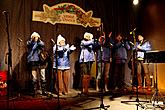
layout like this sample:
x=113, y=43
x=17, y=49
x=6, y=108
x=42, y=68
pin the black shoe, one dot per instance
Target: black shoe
x=44, y=93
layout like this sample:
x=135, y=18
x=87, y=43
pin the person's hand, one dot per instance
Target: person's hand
x=139, y=47
x=66, y=47
x=72, y=47
x=102, y=40
x=110, y=34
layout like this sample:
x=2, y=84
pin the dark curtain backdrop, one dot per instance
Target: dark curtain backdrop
x=21, y=26
x=116, y=15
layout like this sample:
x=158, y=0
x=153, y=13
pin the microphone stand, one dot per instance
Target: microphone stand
x=102, y=106
x=102, y=82
x=134, y=72
x=58, y=96
x=9, y=62
x=19, y=50
x=19, y=65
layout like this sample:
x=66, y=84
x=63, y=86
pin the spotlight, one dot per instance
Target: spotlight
x=135, y=2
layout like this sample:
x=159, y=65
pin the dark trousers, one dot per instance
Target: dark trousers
x=142, y=73
x=118, y=74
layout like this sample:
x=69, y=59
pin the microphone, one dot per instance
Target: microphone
x=52, y=41
x=131, y=43
x=4, y=12
x=133, y=31
x=19, y=39
x=111, y=44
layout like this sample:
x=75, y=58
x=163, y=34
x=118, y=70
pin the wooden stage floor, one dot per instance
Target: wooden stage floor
x=112, y=100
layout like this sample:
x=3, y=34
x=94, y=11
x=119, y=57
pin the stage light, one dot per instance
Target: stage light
x=135, y=2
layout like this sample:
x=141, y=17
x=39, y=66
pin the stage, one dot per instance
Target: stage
x=71, y=19
x=76, y=101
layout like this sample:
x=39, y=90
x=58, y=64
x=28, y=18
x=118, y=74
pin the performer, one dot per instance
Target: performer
x=35, y=46
x=103, y=57
x=141, y=47
x=119, y=58
x=86, y=59
x=63, y=64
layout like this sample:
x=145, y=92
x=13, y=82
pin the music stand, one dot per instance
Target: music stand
x=156, y=57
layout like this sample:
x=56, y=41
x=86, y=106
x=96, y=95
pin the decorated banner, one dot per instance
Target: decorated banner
x=66, y=13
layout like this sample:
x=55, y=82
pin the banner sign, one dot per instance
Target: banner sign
x=66, y=13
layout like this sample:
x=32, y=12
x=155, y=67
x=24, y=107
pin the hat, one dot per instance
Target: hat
x=35, y=34
x=59, y=39
x=88, y=36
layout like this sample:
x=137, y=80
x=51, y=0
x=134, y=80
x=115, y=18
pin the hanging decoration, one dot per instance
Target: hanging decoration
x=66, y=13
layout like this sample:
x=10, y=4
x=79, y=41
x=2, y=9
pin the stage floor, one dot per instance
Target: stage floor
x=112, y=100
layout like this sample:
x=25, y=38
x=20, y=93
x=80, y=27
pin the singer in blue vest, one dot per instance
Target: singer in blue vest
x=61, y=62
x=103, y=47
x=119, y=58
x=141, y=47
x=86, y=60
x=35, y=46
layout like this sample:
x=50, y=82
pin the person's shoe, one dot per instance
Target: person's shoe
x=116, y=88
x=139, y=87
x=106, y=90
x=134, y=88
x=60, y=94
x=149, y=89
x=44, y=93
x=64, y=93
x=97, y=89
x=39, y=92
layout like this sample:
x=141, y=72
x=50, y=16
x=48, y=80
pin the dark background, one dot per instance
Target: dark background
x=117, y=16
